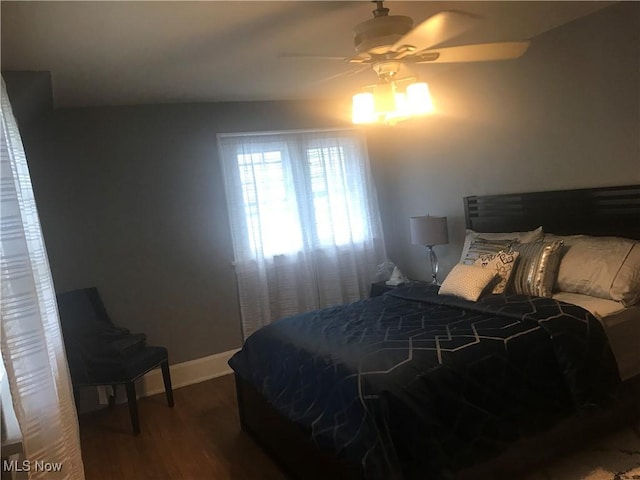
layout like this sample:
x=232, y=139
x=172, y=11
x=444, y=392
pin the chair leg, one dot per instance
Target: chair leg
x=112, y=398
x=133, y=407
x=166, y=376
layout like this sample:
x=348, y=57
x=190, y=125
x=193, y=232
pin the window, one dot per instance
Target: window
x=293, y=191
x=339, y=212
x=269, y=207
x=304, y=221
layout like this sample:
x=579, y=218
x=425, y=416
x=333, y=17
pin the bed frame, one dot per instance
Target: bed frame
x=600, y=211
x=593, y=211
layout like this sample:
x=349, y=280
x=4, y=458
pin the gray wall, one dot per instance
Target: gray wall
x=132, y=201
x=565, y=115
x=131, y=198
x=31, y=97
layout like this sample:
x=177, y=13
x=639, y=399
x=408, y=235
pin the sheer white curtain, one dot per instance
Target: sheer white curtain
x=32, y=347
x=304, y=220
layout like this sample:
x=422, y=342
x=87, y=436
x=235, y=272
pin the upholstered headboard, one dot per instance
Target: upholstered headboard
x=590, y=211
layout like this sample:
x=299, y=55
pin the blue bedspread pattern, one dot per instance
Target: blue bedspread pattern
x=413, y=384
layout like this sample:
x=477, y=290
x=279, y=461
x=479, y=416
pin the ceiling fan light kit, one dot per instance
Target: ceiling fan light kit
x=387, y=104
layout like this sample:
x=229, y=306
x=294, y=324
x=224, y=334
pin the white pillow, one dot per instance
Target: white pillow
x=626, y=286
x=467, y=281
x=520, y=237
x=604, y=267
x=501, y=264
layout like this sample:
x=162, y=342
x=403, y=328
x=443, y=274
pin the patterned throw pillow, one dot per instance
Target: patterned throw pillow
x=537, y=267
x=502, y=263
x=467, y=281
x=483, y=246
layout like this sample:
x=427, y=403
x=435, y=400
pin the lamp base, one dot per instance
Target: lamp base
x=434, y=265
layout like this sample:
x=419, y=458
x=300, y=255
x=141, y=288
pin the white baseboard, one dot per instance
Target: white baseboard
x=186, y=373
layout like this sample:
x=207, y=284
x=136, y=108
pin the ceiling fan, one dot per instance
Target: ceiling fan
x=390, y=43
x=386, y=41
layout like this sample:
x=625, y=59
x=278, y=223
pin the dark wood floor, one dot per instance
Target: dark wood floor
x=200, y=438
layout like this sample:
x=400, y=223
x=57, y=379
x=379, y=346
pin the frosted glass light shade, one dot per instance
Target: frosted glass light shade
x=363, y=108
x=384, y=97
x=428, y=230
x=419, y=98
x=385, y=104
x=403, y=109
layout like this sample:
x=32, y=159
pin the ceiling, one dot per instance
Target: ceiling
x=119, y=52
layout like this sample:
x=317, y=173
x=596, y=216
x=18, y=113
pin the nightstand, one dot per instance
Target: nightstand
x=378, y=288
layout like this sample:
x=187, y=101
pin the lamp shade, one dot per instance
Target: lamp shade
x=428, y=230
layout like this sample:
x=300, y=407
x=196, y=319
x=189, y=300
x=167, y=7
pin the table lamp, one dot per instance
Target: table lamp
x=430, y=231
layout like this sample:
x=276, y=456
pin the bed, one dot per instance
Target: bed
x=420, y=384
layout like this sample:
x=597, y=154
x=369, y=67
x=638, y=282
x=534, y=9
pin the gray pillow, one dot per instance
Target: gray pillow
x=521, y=237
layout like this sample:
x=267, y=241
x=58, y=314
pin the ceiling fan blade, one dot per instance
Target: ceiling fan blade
x=434, y=30
x=483, y=52
x=345, y=74
x=304, y=56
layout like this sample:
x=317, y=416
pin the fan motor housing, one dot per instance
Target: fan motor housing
x=377, y=36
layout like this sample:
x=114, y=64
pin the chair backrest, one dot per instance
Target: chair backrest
x=94, y=345
x=82, y=312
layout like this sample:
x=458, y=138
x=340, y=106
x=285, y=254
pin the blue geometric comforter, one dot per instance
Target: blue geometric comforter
x=415, y=385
